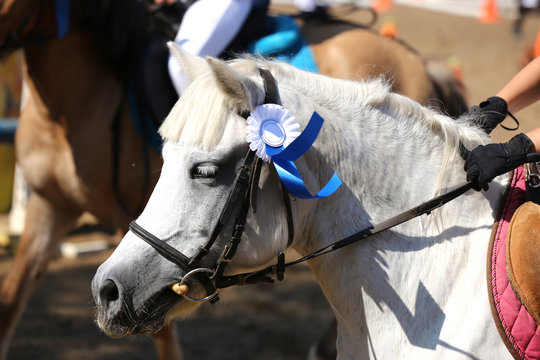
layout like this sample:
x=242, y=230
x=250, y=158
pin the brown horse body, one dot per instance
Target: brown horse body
x=65, y=146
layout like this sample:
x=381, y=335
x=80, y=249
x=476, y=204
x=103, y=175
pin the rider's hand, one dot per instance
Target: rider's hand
x=486, y=162
x=489, y=113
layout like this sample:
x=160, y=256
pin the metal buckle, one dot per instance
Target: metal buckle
x=532, y=175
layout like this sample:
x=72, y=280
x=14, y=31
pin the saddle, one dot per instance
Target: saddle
x=523, y=245
x=523, y=256
x=514, y=271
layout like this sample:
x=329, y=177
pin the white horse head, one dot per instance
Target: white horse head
x=417, y=290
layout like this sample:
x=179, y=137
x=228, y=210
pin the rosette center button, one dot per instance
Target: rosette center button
x=272, y=133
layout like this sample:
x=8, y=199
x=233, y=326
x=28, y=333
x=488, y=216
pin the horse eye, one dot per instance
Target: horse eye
x=204, y=171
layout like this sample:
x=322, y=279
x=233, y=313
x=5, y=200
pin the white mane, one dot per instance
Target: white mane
x=345, y=96
x=200, y=116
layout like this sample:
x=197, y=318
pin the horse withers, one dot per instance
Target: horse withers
x=417, y=290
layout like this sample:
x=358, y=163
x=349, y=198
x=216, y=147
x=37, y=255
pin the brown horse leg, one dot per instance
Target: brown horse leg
x=166, y=344
x=45, y=226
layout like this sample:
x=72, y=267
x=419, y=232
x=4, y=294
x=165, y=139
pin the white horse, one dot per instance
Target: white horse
x=417, y=291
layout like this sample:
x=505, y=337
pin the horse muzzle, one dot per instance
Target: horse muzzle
x=114, y=314
x=119, y=311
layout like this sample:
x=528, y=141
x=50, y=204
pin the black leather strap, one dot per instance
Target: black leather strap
x=235, y=199
x=424, y=208
x=163, y=249
x=278, y=269
x=271, y=95
x=174, y=256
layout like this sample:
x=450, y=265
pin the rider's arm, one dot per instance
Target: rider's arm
x=487, y=161
x=522, y=91
x=524, y=88
x=534, y=135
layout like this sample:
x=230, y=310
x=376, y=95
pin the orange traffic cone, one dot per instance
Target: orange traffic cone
x=388, y=29
x=536, y=51
x=489, y=13
x=382, y=5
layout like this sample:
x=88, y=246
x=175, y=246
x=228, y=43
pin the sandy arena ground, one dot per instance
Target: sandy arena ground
x=260, y=322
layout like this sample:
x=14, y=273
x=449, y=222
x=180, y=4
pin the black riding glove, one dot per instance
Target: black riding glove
x=486, y=162
x=489, y=113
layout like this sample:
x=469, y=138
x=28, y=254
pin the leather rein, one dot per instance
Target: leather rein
x=243, y=196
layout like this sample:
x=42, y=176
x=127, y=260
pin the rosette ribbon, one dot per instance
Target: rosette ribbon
x=283, y=155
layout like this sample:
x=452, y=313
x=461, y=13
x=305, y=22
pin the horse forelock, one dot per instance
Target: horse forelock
x=200, y=115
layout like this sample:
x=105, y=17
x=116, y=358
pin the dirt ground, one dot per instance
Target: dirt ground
x=261, y=322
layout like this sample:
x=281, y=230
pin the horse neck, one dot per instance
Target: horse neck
x=71, y=83
x=376, y=282
x=387, y=166
x=77, y=98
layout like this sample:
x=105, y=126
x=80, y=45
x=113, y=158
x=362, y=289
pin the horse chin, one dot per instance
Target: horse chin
x=114, y=331
x=119, y=331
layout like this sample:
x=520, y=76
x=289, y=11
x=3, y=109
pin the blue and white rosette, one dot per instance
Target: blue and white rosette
x=273, y=133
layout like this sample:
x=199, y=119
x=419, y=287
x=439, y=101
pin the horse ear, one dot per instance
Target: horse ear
x=192, y=65
x=239, y=88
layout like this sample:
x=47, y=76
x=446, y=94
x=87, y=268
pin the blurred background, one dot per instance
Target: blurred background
x=483, y=42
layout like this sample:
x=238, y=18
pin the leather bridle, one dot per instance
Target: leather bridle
x=243, y=195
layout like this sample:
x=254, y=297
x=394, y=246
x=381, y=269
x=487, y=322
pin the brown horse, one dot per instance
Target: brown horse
x=70, y=148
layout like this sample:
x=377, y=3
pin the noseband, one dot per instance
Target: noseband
x=242, y=196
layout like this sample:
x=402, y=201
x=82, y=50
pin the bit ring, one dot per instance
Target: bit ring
x=182, y=283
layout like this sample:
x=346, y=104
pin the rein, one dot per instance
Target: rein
x=278, y=269
x=242, y=196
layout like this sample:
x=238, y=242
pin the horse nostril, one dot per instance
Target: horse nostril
x=108, y=292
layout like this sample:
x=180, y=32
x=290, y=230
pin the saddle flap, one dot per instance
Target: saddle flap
x=523, y=256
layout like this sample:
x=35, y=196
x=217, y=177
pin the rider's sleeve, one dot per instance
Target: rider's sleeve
x=207, y=28
x=306, y=5
x=210, y=25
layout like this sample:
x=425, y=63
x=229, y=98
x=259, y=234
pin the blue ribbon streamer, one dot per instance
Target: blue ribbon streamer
x=62, y=17
x=283, y=159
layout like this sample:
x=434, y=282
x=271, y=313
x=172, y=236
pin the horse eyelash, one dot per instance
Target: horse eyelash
x=204, y=171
